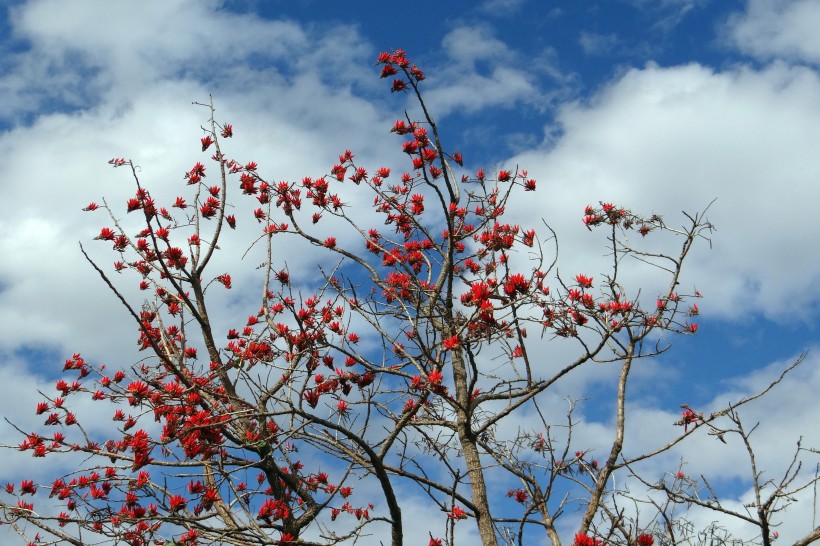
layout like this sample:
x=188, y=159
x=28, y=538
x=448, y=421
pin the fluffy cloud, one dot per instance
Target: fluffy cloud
x=778, y=29
x=287, y=106
x=670, y=139
x=481, y=71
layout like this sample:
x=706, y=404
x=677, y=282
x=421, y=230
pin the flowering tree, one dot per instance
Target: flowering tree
x=415, y=360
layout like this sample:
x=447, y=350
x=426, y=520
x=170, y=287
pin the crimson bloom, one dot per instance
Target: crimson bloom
x=584, y=281
x=457, y=513
x=176, y=503
x=582, y=539
x=450, y=343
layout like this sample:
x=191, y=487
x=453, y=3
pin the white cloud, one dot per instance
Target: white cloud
x=594, y=43
x=146, y=81
x=482, y=71
x=669, y=13
x=501, y=7
x=785, y=29
x=668, y=139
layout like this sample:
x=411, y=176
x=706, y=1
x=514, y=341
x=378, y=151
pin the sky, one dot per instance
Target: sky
x=660, y=105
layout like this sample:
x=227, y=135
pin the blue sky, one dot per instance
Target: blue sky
x=662, y=105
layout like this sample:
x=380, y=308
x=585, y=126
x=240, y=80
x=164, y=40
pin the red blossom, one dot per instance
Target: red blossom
x=343, y=408
x=176, y=503
x=312, y=397
x=582, y=539
x=584, y=281
x=450, y=343
x=645, y=540
x=225, y=279
x=519, y=495
x=435, y=378
x=286, y=538
x=106, y=234
x=688, y=417
x=457, y=513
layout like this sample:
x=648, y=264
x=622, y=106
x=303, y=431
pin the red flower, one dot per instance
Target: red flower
x=518, y=494
x=343, y=408
x=206, y=142
x=137, y=391
x=645, y=540
x=176, y=503
x=106, y=234
x=584, y=281
x=457, y=513
x=517, y=283
x=225, y=280
x=582, y=539
x=400, y=127
x=312, y=398
x=450, y=343
x=410, y=147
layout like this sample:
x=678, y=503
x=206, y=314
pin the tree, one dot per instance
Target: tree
x=413, y=358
